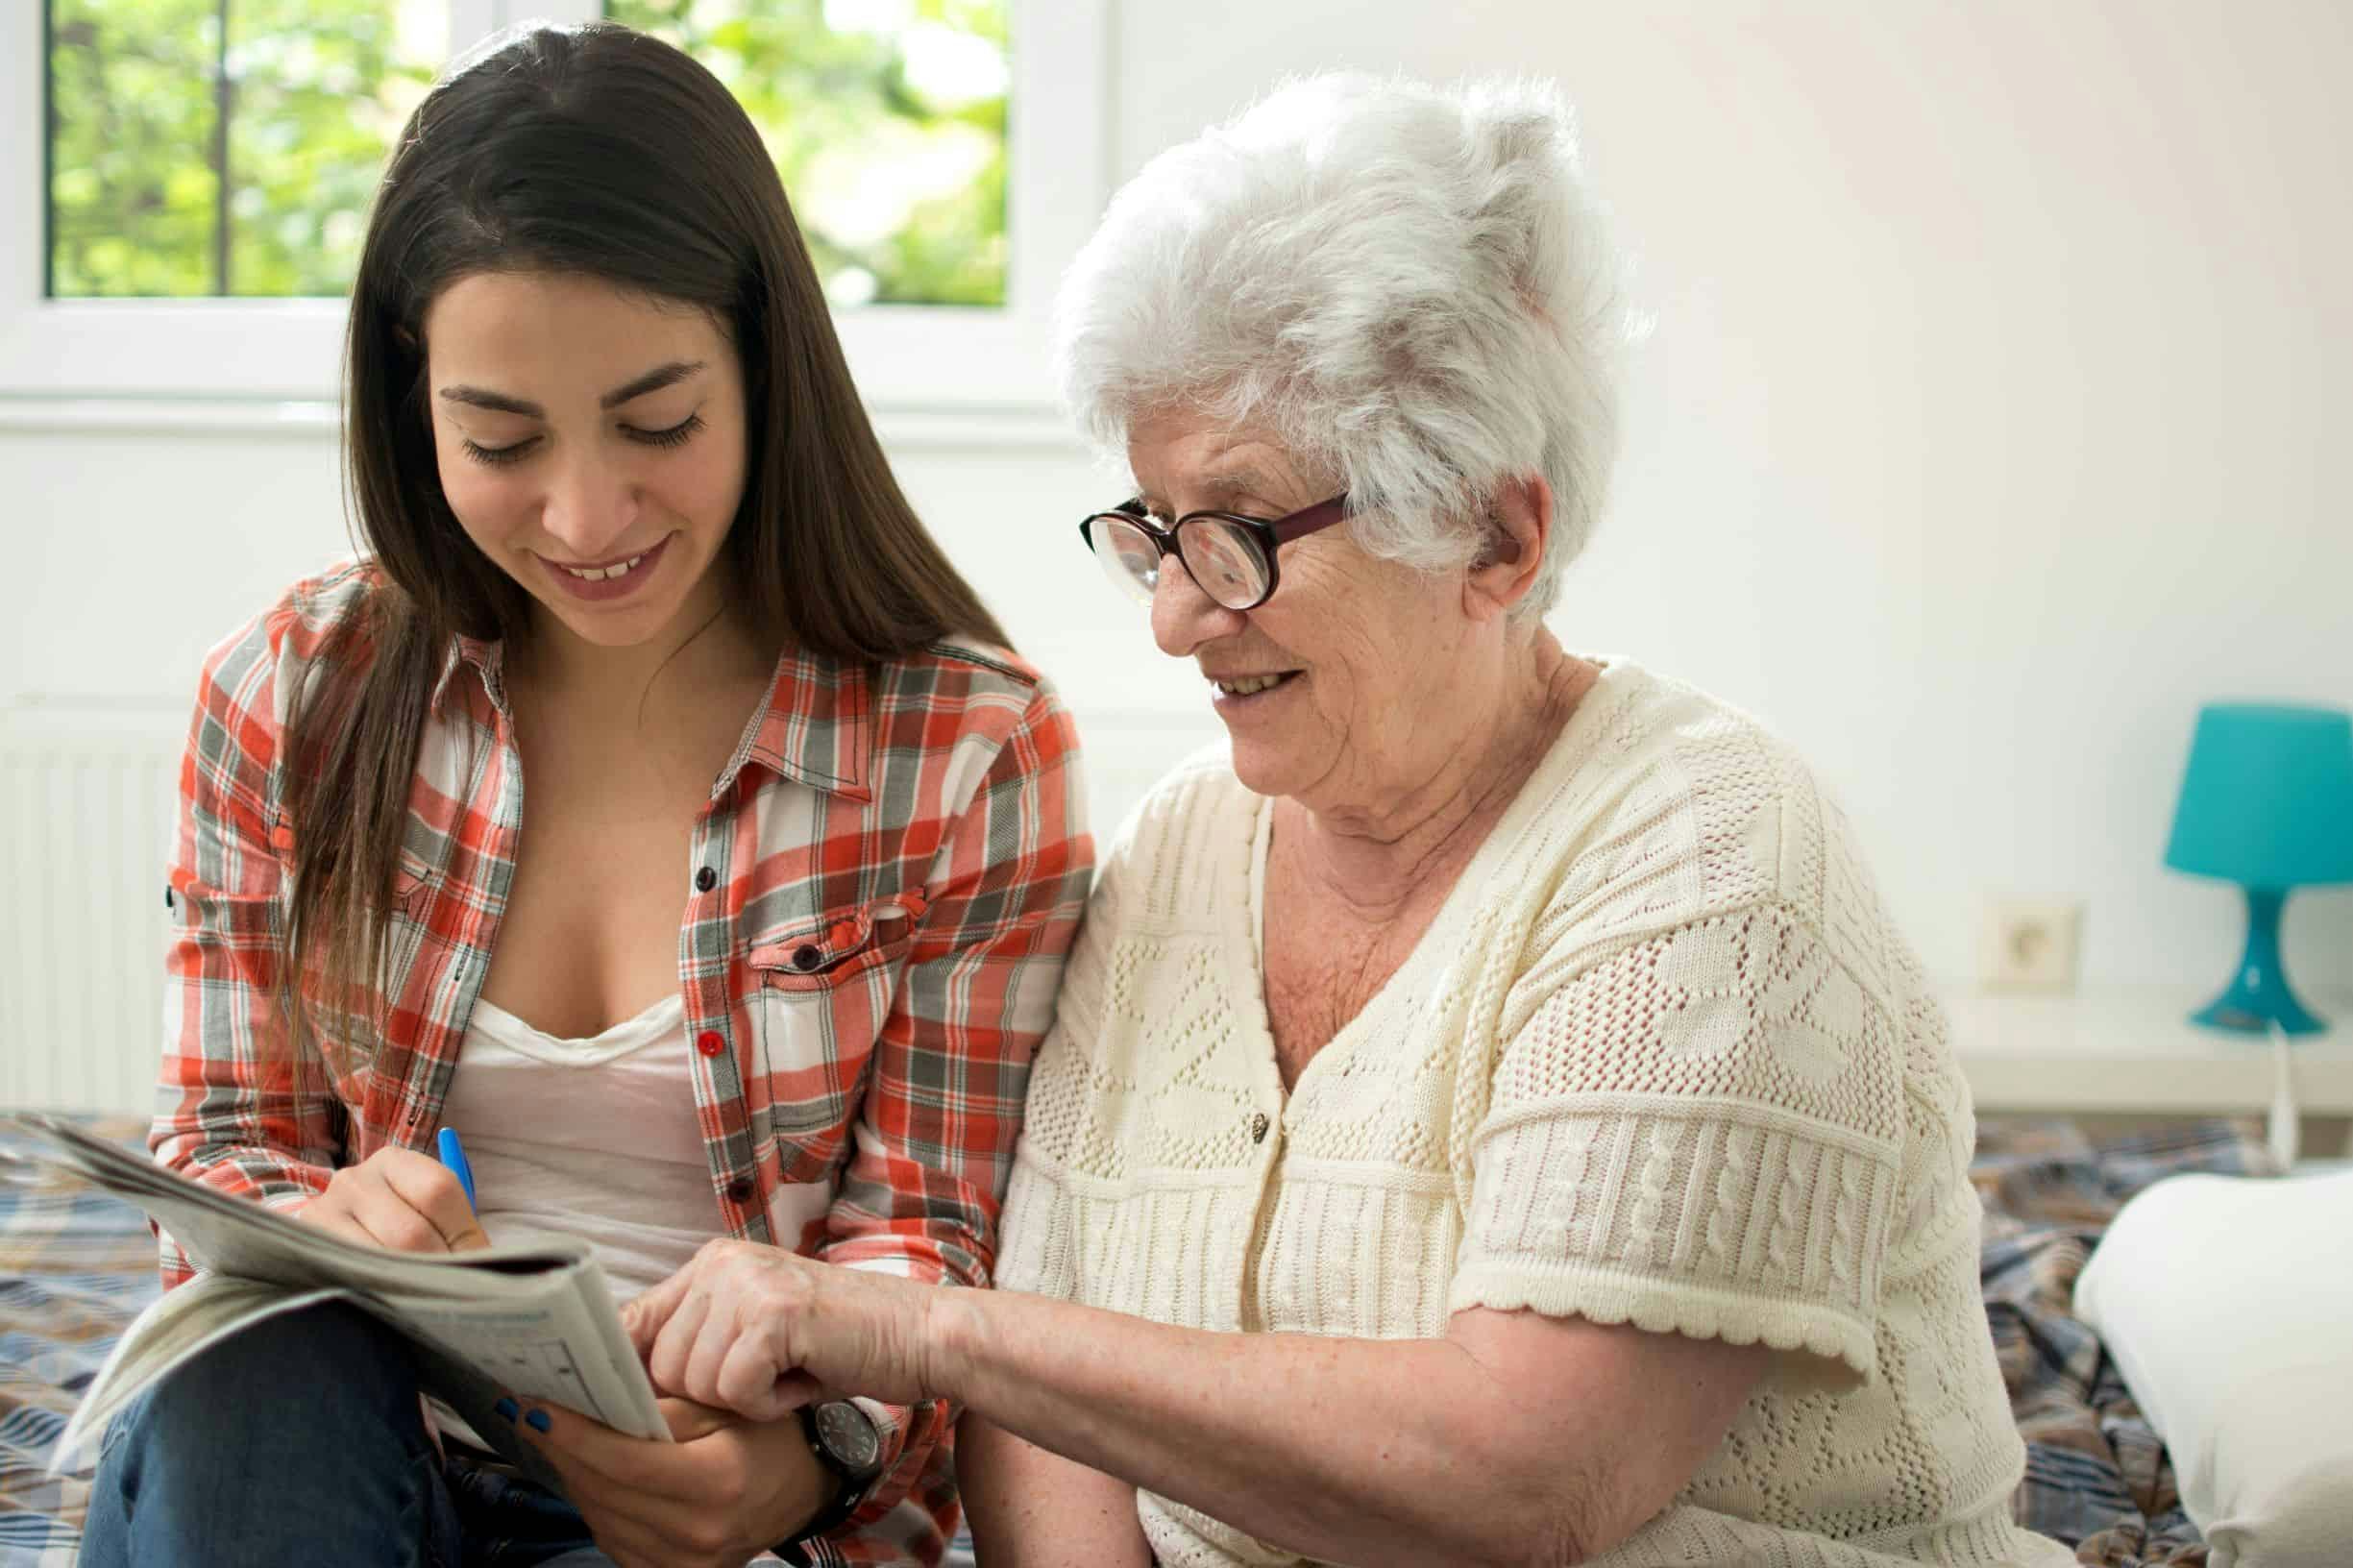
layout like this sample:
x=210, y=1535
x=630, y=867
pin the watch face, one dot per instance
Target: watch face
x=848, y=1436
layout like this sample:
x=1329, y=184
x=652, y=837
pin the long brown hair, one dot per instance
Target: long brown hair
x=599, y=152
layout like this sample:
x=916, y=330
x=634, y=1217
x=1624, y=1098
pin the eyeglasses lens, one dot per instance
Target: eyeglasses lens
x=1225, y=561
x=1127, y=555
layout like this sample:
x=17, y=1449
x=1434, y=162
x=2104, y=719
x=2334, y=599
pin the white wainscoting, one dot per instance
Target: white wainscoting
x=87, y=788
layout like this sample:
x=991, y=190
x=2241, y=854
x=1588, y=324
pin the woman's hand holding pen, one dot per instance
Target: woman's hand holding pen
x=397, y=1198
x=761, y=1331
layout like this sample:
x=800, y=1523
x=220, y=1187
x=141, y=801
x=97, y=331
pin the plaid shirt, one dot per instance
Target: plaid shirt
x=885, y=881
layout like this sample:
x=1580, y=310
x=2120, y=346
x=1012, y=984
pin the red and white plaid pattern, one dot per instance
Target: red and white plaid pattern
x=884, y=884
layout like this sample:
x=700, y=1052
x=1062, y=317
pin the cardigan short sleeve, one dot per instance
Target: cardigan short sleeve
x=1697, y=1133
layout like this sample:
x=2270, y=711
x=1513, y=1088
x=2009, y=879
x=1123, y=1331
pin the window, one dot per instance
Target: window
x=201, y=192
x=199, y=148
x=887, y=121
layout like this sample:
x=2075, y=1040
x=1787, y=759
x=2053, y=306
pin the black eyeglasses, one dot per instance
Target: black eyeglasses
x=1231, y=556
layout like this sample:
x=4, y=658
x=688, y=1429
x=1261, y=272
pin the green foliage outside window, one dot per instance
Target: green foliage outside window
x=146, y=193
x=231, y=147
x=885, y=119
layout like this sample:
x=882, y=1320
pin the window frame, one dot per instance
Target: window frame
x=911, y=358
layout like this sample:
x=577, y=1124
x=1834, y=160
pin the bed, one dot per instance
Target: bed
x=75, y=1268
x=2097, y=1476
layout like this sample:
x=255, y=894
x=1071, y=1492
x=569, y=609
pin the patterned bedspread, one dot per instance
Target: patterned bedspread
x=75, y=1268
x=2097, y=1476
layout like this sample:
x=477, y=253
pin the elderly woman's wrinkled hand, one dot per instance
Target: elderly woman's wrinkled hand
x=760, y=1331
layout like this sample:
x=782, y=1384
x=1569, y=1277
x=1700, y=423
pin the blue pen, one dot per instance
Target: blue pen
x=454, y=1156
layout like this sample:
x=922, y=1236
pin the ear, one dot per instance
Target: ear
x=1520, y=520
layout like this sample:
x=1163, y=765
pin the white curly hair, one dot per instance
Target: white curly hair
x=1412, y=287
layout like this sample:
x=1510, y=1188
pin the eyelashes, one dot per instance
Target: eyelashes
x=498, y=457
x=677, y=435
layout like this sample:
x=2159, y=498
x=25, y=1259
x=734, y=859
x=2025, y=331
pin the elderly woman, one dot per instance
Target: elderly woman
x=1491, y=1117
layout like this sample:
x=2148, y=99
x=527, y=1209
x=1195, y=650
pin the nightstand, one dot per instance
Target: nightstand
x=2132, y=1052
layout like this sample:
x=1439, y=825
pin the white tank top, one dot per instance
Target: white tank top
x=596, y=1139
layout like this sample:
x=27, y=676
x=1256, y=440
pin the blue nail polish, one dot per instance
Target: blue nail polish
x=537, y=1421
x=508, y=1409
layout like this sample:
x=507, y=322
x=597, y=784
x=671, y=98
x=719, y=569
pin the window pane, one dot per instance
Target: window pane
x=887, y=122
x=133, y=194
x=151, y=191
x=322, y=91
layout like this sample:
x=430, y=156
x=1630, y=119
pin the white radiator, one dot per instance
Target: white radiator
x=86, y=797
x=87, y=791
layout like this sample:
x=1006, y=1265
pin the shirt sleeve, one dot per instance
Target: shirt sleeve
x=1700, y=1134
x=237, y=1107
x=921, y=1193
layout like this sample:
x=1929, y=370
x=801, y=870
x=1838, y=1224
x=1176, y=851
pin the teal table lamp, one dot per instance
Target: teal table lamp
x=2268, y=803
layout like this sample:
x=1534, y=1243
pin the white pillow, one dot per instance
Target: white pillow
x=2227, y=1302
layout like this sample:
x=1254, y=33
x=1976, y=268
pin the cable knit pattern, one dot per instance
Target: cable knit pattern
x=1661, y=1059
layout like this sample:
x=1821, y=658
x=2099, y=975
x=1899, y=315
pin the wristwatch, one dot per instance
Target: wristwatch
x=847, y=1445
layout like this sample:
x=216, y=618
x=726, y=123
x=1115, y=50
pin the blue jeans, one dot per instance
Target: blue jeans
x=299, y=1442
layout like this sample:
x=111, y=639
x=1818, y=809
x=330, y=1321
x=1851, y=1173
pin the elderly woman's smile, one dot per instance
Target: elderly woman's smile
x=1234, y=691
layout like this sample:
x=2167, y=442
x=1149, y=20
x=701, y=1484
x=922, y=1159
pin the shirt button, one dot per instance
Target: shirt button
x=740, y=1188
x=169, y=902
x=807, y=956
x=1258, y=1128
x=710, y=1043
x=705, y=880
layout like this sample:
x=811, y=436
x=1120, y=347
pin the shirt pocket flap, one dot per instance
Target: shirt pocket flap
x=819, y=952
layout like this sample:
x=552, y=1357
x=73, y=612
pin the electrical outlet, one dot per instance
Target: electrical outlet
x=2031, y=944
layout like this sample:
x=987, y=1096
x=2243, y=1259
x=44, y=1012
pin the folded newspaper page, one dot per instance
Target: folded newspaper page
x=535, y=1322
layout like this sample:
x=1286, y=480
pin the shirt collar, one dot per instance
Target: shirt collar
x=487, y=658
x=816, y=726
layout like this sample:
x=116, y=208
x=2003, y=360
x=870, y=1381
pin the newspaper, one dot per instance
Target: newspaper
x=536, y=1322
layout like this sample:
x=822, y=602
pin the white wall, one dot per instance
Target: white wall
x=1980, y=439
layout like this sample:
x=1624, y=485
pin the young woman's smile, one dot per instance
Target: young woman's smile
x=602, y=582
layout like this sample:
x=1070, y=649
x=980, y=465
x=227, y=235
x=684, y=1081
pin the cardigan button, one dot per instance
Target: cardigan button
x=1258, y=1128
x=710, y=1043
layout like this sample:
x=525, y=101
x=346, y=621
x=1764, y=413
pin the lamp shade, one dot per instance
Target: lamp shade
x=2267, y=800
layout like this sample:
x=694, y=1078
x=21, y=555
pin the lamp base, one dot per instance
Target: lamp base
x=2258, y=998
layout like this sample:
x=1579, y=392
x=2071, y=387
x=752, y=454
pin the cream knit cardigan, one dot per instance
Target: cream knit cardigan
x=1660, y=1058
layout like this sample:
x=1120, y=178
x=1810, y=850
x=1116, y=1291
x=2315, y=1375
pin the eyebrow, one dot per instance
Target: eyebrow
x=653, y=380
x=1221, y=489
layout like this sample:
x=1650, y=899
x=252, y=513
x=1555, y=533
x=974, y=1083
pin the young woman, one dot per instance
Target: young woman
x=652, y=802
